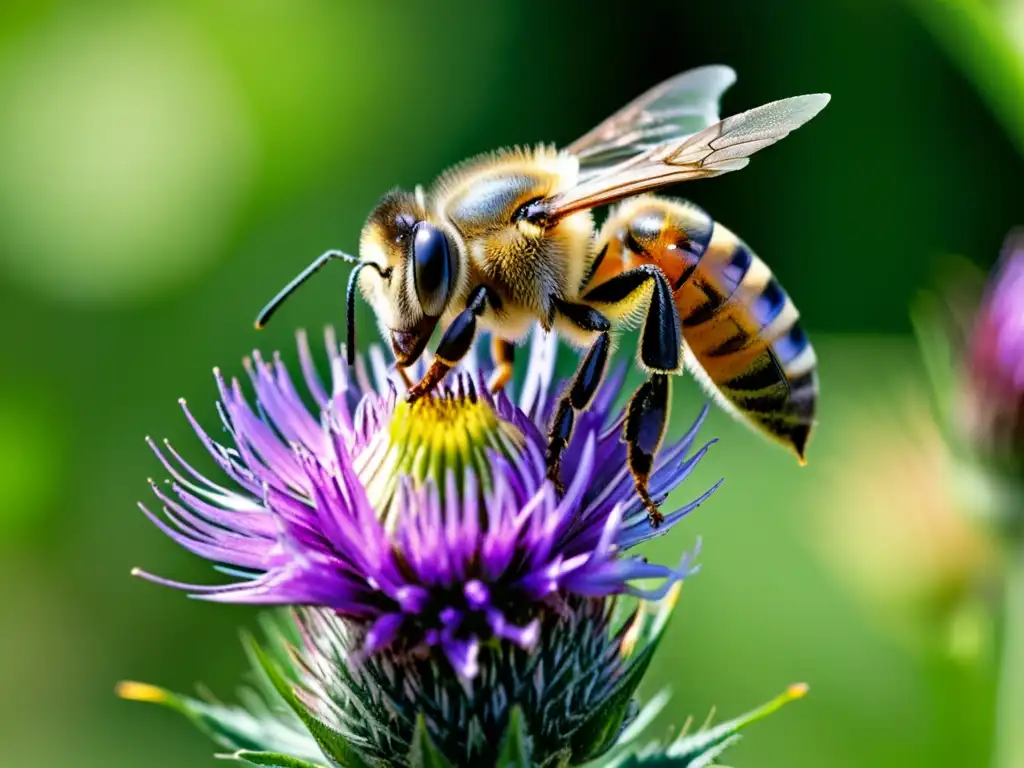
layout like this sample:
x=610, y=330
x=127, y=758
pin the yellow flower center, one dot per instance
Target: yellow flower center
x=438, y=435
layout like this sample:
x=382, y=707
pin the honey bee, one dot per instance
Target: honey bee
x=507, y=240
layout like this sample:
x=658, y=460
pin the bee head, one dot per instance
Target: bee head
x=420, y=262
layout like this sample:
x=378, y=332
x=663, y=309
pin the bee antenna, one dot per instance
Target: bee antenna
x=265, y=314
x=350, y=306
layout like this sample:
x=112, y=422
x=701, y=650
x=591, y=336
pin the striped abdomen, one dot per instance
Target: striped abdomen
x=740, y=327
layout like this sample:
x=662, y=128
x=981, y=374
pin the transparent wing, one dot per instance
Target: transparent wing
x=720, y=148
x=680, y=106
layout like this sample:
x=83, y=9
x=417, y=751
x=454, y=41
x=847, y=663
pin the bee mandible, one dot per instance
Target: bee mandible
x=507, y=240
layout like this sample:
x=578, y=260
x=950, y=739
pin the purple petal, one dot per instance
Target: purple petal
x=464, y=656
x=383, y=632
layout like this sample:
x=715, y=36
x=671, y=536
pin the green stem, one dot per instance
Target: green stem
x=1009, y=747
x=980, y=41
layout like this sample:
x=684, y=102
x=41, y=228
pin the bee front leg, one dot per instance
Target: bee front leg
x=406, y=379
x=660, y=352
x=504, y=354
x=584, y=385
x=455, y=343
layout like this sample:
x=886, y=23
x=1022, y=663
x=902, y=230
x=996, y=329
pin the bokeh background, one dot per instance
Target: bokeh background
x=165, y=167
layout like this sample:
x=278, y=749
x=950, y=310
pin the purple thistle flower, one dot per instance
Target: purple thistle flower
x=994, y=406
x=428, y=525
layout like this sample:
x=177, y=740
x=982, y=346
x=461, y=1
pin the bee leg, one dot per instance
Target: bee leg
x=584, y=385
x=405, y=376
x=645, y=429
x=660, y=353
x=504, y=354
x=455, y=343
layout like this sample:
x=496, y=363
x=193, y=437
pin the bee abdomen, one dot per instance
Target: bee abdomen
x=744, y=331
x=774, y=396
x=739, y=324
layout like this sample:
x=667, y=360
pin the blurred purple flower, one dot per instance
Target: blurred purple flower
x=429, y=525
x=994, y=408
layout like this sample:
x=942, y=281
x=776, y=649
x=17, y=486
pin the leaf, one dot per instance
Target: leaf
x=515, y=744
x=334, y=744
x=981, y=41
x=644, y=718
x=229, y=727
x=701, y=749
x=275, y=759
x=595, y=735
x=560, y=759
x=424, y=753
x=937, y=353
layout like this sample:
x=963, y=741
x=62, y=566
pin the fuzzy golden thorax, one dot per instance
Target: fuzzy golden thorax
x=527, y=265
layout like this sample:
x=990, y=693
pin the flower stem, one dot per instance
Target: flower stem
x=981, y=40
x=1009, y=746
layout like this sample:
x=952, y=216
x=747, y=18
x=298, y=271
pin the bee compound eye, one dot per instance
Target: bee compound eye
x=433, y=269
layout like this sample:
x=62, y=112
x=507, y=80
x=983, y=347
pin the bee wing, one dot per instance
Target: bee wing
x=680, y=106
x=720, y=148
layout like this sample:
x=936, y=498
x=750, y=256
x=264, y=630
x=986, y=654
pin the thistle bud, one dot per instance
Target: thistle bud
x=991, y=411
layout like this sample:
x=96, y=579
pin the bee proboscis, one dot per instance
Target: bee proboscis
x=507, y=240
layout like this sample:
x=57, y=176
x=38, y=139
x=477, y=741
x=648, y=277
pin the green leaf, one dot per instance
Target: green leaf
x=335, y=745
x=515, y=744
x=596, y=734
x=560, y=759
x=424, y=753
x=943, y=320
x=981, y=41
x=229, y=727
x=602, y=726
x=937, y=353
x=275, y=759
x=644, y=718
x=701, y=749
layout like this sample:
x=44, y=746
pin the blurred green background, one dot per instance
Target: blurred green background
x=165, y=167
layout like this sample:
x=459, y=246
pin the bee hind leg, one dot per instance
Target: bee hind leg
x=583, y=388
x=660, y=353
x=644, y=431
x=455, y=343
